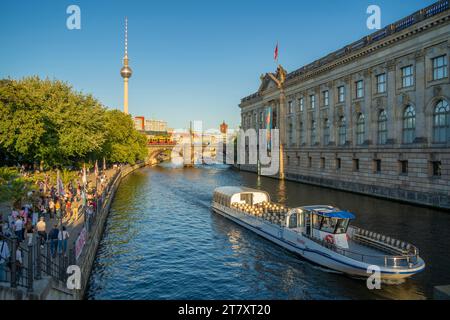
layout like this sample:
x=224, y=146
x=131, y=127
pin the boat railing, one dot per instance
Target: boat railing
x=381, y=241
x=394, y=261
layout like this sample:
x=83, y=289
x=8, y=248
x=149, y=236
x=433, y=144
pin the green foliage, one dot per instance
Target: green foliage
x=124, y=144
x=44, y=120
x=14, y=188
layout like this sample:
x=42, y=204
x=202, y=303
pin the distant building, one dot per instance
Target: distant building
x=139, y=123
x=150, y=125
x=155, y=125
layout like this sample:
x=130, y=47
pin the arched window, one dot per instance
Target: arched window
x=342, y=132
x=326, y=132
x=360, y=129
x=409, y=125
x=441, y=122
x=313, y=132
x=382, y=127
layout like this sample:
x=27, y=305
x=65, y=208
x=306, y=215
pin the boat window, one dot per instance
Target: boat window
x=293, y=221
x=329, y=225
x=341, y=226
x=247, y=197
x=317, y=221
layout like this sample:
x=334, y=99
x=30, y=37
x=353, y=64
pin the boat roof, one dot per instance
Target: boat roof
x=232, y=190
x=331, y=212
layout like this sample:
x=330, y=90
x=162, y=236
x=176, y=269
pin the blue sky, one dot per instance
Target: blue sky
x=192, y=60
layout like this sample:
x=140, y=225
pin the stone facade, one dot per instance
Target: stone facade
x=373, y=117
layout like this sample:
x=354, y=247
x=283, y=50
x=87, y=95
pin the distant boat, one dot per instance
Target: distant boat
x=320, y=234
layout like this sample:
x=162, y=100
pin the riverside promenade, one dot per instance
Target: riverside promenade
x=44, y=277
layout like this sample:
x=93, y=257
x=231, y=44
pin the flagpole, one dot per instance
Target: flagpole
x=276, y=55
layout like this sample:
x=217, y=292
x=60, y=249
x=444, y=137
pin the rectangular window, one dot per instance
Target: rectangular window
x=341, y=94
x=436, y=168
x=298, y=161
x=407, y=77
x=312, y=99
x=377, y=166
x=290, y=109
x=355, y=165
x=403, y=167
x=322, y=163
x=326, y=98
x=301, y=104
x=381, y=83
x=338, y=163
x=359, y=86
x=440, y=67
x=309, y=162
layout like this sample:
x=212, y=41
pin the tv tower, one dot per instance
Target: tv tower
x=126, y=71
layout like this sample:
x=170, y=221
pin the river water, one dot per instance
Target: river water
x=162, y=241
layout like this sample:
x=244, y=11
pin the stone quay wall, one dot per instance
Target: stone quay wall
x=87, y=257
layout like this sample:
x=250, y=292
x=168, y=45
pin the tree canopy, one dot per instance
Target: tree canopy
x=45, y=120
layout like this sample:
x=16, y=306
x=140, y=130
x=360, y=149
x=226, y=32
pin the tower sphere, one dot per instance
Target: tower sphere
x=126, y=72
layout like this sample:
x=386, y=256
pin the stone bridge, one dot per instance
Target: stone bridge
x=155, y=149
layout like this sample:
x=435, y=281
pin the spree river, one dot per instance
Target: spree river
x=162, y=241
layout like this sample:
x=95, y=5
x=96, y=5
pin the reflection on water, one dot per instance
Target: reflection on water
x=162, y=242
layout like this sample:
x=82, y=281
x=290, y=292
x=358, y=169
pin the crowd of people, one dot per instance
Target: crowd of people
x=44, y=216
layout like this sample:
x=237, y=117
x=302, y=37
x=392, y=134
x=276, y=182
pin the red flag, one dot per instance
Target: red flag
x=275, y=55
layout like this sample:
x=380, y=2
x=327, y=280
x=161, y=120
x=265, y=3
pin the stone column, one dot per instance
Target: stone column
x=394, y=111
x=420, y=83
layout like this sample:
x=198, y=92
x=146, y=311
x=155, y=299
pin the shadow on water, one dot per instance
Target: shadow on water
x=161, y=241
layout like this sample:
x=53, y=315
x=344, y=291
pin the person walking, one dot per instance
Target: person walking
x=4, y=258
x=18, y=228
x=51, y=206
x=41, y=229
x=63, y=237
x=53, y=236
x=68, y=209
x=19, y=263
x=34, y=217
x=29, y=230
x=58, y=209
x=75, y=207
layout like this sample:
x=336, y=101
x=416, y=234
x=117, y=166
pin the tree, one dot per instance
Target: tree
x=123, y=143
x=47, y=121
x=13, y=188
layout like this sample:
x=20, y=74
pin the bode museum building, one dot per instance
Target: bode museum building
x=372, y=117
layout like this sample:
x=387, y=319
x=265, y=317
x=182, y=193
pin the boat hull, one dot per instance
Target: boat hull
x=312, y=251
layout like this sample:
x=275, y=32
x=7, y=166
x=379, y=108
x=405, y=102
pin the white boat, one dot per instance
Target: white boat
x=320, y=234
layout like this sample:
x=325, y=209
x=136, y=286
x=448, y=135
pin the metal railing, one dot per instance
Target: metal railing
x=392, y=261
x=16, y=263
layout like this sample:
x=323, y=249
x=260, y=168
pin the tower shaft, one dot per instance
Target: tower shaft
x=125, y=95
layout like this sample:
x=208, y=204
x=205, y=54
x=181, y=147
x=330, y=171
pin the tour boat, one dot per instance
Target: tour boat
x=320, y=234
